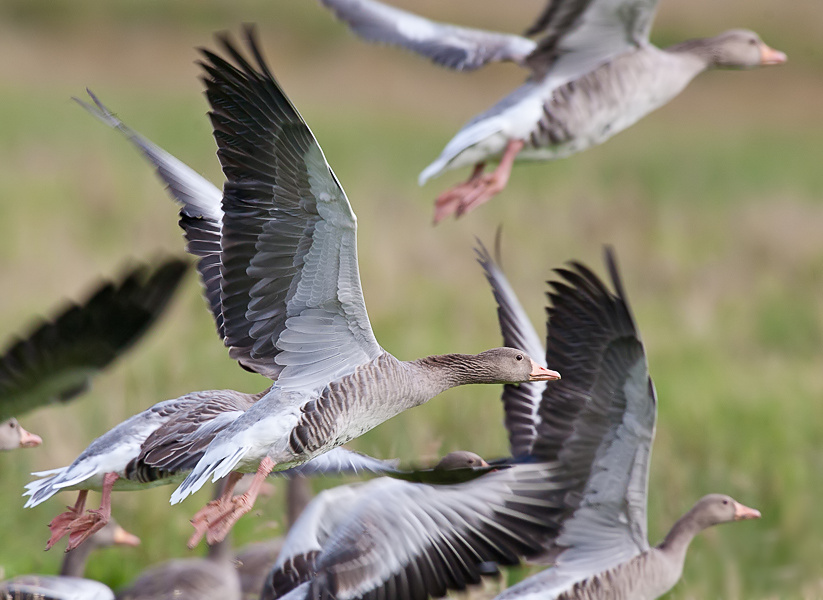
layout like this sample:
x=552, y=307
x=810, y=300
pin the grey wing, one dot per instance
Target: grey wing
x=459, y=48
x=291, y=280
x=340, y=461
x=201, y=216
x=579, y=35
x=598, y=422
x=406, y=540
x=520, y=402
x=56, y=361
x=194, y=421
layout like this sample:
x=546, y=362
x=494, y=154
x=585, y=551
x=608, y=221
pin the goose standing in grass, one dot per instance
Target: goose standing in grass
x=592, y=74
x=590, y=434
x=70, y=585
x=56, y=361
x=291, y=292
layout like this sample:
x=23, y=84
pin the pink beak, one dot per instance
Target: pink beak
x=770, y=56
x=542, y=373
x=29, y=440
x=742, y=513
x=124, y=538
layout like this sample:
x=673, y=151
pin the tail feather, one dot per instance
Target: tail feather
x=203, y=470
x=41, y=490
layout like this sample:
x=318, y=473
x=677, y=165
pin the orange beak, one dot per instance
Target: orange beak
x=742, y=513
x=124, y=538
x=542, y=373
x=770, y=56
x=28, y=439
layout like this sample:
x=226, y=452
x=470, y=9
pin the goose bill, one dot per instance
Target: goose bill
x=28, y=439
x=124, y=538
x=542, y=373
x=770, y=56
x=741, y=513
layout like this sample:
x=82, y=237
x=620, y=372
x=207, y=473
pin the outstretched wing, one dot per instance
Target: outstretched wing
x=289, y=260
x=579, y=35
x=201, y=216
x=395, y=539
x=459, y=48
x=57, y=360
x=598, y=421
x=520, y=402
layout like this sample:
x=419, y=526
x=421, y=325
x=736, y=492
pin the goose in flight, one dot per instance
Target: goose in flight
x=592, y=73
x=278, y=261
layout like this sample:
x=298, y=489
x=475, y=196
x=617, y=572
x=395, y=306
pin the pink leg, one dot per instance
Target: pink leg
x=212, y=511
x=449, y=201
x=61, y=524
x=493, y=183
x=94, y=520
x=221, y=523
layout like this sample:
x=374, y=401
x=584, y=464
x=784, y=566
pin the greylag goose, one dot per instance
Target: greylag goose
x=592, y=434
x=603, y=448
x=289, y=267
x=70, y=585
x=56, y=361
x=12, y=435
x=592, y=74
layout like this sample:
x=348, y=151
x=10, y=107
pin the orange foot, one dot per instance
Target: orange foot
x=61, y=524
x=84, y=527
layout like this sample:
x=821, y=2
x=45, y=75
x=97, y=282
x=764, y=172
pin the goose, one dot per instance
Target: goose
x=591, y=432
x=57, y=359
x=70, y=584
x=12, y=435
x=291, y=293
x=592, y=74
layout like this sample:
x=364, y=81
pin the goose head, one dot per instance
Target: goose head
x=742, y=49
x=461, y=459
x=718, y=508
x=12, y=435
x=510, y=365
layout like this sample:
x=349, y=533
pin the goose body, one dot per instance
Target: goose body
x=592, y=74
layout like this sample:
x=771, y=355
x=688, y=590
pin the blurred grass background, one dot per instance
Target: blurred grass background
x=714, y=204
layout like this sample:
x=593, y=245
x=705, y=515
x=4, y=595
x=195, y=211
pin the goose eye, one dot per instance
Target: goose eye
x=753, y=42
x=725, y=501
x=518, y=357
x=11, y=424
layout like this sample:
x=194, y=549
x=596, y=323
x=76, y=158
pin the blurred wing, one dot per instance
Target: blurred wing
x=579, y=35
x=290, y=275
x=57, y=360
x=201, y=216
x=45, y=587
x=341, y=461
x=598, y=421
x=520, y=402
x=406, y=540
x=459, y=48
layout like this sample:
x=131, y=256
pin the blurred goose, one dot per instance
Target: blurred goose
x=591, y=439
x=592, y=74
x=12, y=435
x=70, y=585
x=56, y=361
x=291, y=293
x=603, y=445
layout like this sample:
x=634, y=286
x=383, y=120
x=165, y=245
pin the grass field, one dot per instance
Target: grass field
x=714, y=205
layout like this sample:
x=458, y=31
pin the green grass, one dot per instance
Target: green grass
x=713, y=205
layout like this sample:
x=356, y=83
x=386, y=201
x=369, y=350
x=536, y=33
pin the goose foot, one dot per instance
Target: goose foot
x=61, y=524
x=216, y=519
x=479, y=188
x=94, y=520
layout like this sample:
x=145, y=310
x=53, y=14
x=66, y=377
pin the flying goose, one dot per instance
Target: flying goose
x=57, y=359
x=592, y=434
x=70, y=585
x=593, y=73
x=290, y=293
